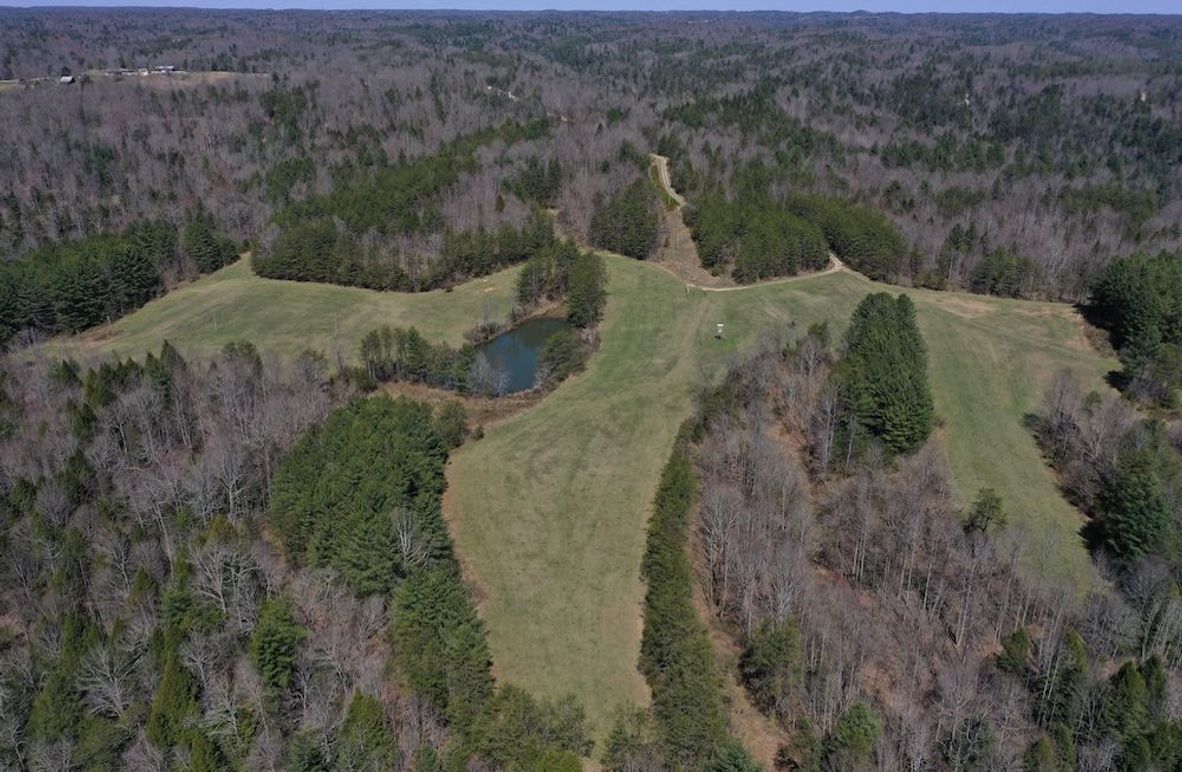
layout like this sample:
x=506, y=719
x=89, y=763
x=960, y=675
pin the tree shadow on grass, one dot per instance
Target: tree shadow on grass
x=1117, y=379
x=1092, y=531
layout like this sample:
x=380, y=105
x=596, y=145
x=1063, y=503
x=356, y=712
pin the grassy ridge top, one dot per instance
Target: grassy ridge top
x=549, y=509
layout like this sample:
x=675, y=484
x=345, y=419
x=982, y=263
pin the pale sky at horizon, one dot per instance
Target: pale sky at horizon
x=1172, y=7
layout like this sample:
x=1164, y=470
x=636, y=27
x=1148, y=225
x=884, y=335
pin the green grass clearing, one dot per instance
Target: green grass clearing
x=287, y=317
x=549, y=510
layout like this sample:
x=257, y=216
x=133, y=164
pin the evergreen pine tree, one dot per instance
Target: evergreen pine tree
x=174, y=704
x=586, y=296
x=1135, y=514
x=885, y=372
x=365, y=741
x=627, y=222
x=274, y=644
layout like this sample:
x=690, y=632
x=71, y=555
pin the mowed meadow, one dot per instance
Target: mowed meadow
x=288, y=317
x=549, y=508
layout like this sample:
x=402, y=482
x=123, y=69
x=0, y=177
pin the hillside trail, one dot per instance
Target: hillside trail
x=662, y=165
x=835, y=265
x=678, y=254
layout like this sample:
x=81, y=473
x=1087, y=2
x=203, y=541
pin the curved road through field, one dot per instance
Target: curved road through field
x=834, y=266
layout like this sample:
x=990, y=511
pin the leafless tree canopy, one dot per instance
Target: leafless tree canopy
x=895, y=599
x=169, y=467
x=1051, y=140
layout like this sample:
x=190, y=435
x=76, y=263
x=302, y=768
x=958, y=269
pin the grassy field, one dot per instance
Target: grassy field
x=287, y=317
x=549, y=509
x=991, y=360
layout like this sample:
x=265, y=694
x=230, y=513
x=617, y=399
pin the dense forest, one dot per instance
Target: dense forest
x=1004, y=155
x=224, y=566
x=75, y=285
x=1139, y=300
x=880, y=625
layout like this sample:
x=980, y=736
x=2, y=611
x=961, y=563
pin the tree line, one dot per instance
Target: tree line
x=80, y=284
x=626, y=222
x=760, y=237
x=403, y=354
x=386, y=536
x=686, y=727
x=883, y=375
x=1130, y=485
x=323, y=250
x=1124, y=471
x=349, y=236
x=939, y=604
x=1139, y=300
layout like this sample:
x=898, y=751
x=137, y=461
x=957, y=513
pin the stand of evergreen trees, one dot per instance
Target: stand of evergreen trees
x=884, y=373
x=764, y=238
x=676, y=658
x=1139, y=299
x=324, y=250
x=864, y=238
x=403, y=354
x=538, y=183
x=325, y=519
x=565, y=271
x=626, y=223
x=75, y=285
x=208, y=249
x=1005, y=272
x=778, y=244
x=321, y=238
x=361, y=493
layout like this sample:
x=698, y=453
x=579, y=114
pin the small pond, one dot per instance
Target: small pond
x=514, y=355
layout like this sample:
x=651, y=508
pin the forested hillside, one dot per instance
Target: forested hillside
x=1004, y=155
x=200, y=574
x=882, y=626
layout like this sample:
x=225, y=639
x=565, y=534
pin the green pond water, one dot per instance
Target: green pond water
x=516, y=352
